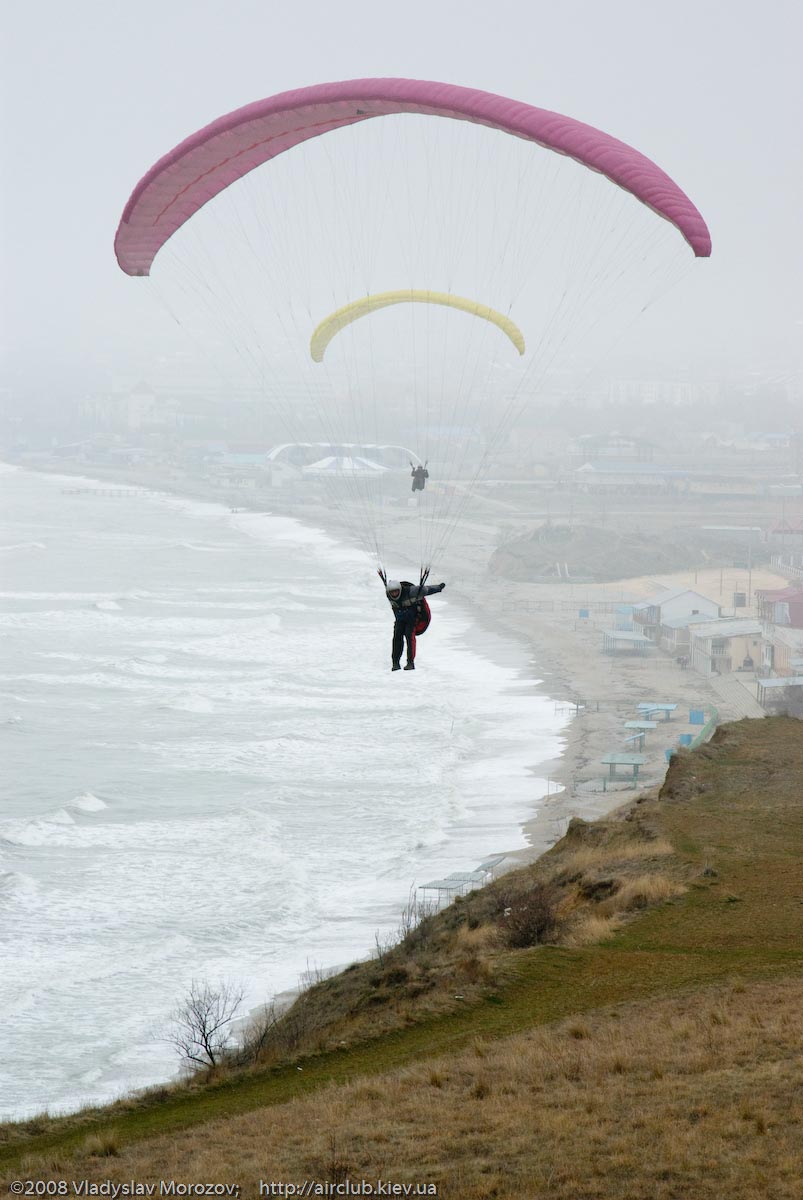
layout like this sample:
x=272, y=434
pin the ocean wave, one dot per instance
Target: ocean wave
x=91, y=620
x=60, y=829
x=41, y=831
x=24, y=546
x=87, y=802
x=14, y=883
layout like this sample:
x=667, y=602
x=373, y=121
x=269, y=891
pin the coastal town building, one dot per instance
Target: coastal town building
x=720, y=647
x=782, y=650
x=670, y=603
x=782, y=606
x=673, y=632
x=629, y=477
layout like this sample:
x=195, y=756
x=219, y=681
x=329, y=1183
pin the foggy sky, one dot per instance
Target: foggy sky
x=94, y=91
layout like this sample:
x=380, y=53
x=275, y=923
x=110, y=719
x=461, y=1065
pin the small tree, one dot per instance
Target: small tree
x=201, y=1024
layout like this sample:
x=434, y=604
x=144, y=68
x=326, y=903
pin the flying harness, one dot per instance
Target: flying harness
x=422, y=609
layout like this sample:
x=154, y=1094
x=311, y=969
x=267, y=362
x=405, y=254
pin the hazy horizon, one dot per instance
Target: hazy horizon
x=94, y=96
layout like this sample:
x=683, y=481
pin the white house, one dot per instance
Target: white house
x=650, y=614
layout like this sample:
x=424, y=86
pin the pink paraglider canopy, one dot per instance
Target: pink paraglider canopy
x=208, y=161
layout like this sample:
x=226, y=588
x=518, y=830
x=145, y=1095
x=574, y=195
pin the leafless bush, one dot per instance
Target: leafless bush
x=334, y=1167
x=413, y=914
x=529, y=917
x=408, y=933
x=258, y=1035
x=383, y=946
x=201, y=1025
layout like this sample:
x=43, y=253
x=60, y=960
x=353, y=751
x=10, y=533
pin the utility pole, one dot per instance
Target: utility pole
x=749, y=573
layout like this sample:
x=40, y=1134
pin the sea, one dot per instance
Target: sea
x=211, y=774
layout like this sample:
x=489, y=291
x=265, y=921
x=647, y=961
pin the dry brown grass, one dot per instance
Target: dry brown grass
x=696, y=1096
x=642, y=892
x=484, y=939
x=600, y=857
x=589, y=929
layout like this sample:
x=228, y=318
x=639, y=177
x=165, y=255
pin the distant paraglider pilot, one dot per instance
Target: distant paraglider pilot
x=419, y=475
x=411, y=616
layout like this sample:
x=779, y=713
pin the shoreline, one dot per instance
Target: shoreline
x=550, y=651
x=560, y=653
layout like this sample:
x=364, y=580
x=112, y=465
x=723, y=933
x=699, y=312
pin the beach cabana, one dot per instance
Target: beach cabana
x=625, y=641
x=771, y=692
x=456, y=884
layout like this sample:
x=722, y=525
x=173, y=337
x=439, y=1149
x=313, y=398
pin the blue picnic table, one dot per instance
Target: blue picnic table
x=666, y=709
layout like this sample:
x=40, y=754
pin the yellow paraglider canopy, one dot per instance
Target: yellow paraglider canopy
x=331, y=325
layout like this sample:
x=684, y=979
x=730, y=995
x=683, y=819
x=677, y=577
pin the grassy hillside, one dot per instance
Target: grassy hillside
x=663, y=993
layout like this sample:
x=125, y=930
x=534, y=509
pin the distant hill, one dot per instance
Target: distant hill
x=602, y=554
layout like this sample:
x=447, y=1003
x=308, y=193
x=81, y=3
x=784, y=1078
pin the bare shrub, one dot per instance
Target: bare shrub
x=334, y=1167
x=529, y=917
x=382, y=947
x=258, y=1034
x=414, y=920
x=410, y=932
x=201, y=1025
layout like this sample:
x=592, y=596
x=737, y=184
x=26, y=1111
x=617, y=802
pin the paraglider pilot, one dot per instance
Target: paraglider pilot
x=411, y=615
x=419, y=474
